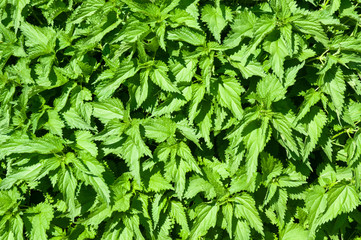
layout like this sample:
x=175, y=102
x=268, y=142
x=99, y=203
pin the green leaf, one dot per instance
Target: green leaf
x=54, y=124
x=109, y=109
x=216, y=19
x=229, y=91
x=164, y=231
x=114, y=231
x=227, y=211
x=160, y=77
x=252, y=68
x=277, y=211
x=10, y=199
x=353, y=148
x=270, y=90
x=243, y=231
x=60, y=102
x=310, y=25
x=87, y=9
x=45, y=145
x=141, y=93
x=335, y=86
x=293, y=231
x=132, y=31
x=271, y=168
x=158, y=183
x=284, y=127
x=316, y=203
x=38, y=220
x=197, y=185
x=341, y=198
x=315, y=121
x=206, y=218
x=160, y=129
x=241, y=182
x=279, y=52
x=13, y=228
x=188, y=131
x=198, y=92
x=183, y=72
x=177, y=211
x=173, y=103
x=335, y=5
x=185, y=153
x=84, y=140
x=311, y=98
x=107, y=87
x=182, y=17
x=187, y=35
x=348, y=43
x=181, y=161
x=158, y=205
x=242, y=27
x=67, y=184
x=255, y=142
x=291, y=74
x=245, y=207
x=28, y=174
x=40, y=41
x=97, y=216
x=18, y=5
x=133, y=149
x=261, y=29
x=352, y=113
x=79, y=118
x=287, y=37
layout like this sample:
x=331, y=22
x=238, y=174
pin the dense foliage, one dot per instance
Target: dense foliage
x=180, y=119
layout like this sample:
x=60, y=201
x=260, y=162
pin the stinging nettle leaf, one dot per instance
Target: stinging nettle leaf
x=245, y=208
x=310, y=25
x=38, y=220
x=84, y=140
x=187, y=35
x=55, y=124
x=109, y=109
x=158, y=183
x=315, y=121
x=160, y=77
x=28, y=174
x=45, y=145
x=335, y=86
x=87, y=9
x=79, y=119
x=284, y=127
x=67, y=184
x=270, y=90
x=316, y=203
x=160, y=129
x=106, y=88
x=206, y=218
x=341, y=198
x=229, y=91
x=41, y=41
x=177, y=211
x=216, y=19
x=278, y=51
x=255, y=142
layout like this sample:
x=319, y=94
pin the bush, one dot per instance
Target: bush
x=170, y=119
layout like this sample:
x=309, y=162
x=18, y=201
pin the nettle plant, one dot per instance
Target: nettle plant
x=180, y=119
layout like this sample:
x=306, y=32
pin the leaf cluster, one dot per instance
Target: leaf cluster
x=170, y=119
